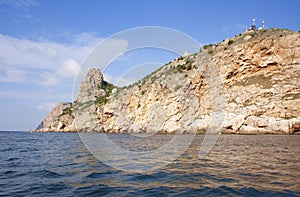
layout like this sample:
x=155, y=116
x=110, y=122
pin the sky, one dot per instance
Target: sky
x=43, y=43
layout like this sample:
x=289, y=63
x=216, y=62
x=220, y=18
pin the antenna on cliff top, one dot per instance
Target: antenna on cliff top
x=253, y=26
x=262, y=25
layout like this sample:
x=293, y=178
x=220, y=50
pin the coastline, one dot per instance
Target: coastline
x=257, y=92
x=163, y=133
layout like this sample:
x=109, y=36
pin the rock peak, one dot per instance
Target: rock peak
x=260, y=76
x=89, y=88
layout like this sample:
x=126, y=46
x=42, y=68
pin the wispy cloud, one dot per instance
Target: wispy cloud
x=233, y=27
x=84, y=39
x=47, y=79
x=21, y=10
x=24, y=4
x=15, y=52
x=21, y=76
x=46, y=106
x=45, y=64
x=69, y=68
x=41, y=62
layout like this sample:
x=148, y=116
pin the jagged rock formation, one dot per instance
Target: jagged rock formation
x=255, y=75
x=90, y=87
x=58, y=118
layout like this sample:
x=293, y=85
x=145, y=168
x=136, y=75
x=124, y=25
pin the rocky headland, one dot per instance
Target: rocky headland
x=251, y=81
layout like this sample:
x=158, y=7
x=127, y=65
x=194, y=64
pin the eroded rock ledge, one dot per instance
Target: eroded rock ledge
x=259, y=73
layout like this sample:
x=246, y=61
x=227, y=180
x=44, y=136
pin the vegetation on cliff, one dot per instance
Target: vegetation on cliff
x=260, y=75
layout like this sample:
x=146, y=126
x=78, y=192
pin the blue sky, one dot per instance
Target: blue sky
x=43, y=43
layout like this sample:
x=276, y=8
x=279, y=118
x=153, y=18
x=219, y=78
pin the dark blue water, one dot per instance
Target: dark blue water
x=58, y=164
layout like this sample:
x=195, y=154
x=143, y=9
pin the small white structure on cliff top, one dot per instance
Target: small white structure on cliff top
x=262, y=25
x=253, y=26
x=186, y=53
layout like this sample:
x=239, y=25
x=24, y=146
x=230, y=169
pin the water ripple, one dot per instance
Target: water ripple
x=58, y=164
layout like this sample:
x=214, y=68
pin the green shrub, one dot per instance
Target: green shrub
x=153, y=79
x=108, y=87
x=206, y=46
x=186, y=66
x=225, y=48
x=180, y=67
x=143, y=92
x=68, y=111
x=210, y=52
x=230, y=42
x=170, y=71
x=100, y=101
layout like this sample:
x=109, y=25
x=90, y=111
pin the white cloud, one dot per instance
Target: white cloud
x=13, y=76
x=20, y=76
x=48, y=79
x=104, y=53
x=69, y=68
x=46, y=106
x=41, y=71
x=85, y=39
x=36, y=54
x=48, y=63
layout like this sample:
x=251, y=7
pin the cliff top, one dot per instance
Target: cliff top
x=256, y=75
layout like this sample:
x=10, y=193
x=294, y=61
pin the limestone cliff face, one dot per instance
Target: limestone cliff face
x=90, y=87
x=255, y=76
x=57, y=118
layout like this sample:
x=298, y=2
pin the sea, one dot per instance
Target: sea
x=60, y=164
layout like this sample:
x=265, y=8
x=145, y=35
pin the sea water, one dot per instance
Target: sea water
x=59, y=164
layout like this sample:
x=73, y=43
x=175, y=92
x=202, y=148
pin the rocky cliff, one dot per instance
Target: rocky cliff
x=251, y=81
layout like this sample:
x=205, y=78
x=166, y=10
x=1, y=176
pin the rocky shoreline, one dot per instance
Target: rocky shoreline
x=257, y=73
